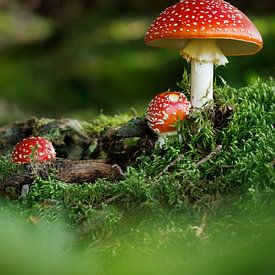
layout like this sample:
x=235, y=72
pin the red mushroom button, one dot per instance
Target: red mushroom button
x=164, y=111
x=36, y=149
x=204, y=31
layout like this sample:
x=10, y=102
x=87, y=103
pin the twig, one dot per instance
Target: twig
x=112, y=199
x=119, y=171
x=199, y=163
x=211, y=155
x=173, y=163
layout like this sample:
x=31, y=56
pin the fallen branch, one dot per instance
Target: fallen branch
x=69, y=171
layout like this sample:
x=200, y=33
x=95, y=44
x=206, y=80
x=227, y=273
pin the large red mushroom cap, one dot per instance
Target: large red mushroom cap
x=36, y=149
x=235, y=34
x=165, y=110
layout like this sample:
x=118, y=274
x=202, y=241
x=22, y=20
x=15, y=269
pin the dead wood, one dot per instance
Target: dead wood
x=74, y=139
x=69, y=171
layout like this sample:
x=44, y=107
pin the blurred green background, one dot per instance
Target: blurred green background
x=80, y=57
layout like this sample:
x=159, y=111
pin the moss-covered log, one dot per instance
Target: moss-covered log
x=79, y=140
x=70, y=171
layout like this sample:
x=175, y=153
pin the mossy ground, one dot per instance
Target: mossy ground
x=153, y=208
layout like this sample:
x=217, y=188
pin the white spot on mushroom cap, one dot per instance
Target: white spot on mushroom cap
x=174, y=97
x=37, y=145
x=190, y=16
x=161, y=109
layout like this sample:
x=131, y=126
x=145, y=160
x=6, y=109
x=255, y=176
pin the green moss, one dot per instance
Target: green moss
x=235, y=243
x=6, y=167
x=103, y=121
x=243, y=168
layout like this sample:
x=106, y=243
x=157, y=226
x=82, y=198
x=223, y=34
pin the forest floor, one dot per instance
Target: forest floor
x=204, y=205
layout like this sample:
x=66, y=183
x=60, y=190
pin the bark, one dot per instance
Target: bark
x=69, y=171
x=75, y=144
x=74, y=140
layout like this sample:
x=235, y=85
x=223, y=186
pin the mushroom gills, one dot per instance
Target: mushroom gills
x=204, y=51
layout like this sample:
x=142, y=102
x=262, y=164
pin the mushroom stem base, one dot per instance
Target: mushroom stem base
x=201, y=84
x=162, y=138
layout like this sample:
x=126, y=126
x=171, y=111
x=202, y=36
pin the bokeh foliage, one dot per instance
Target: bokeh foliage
x=97, y=60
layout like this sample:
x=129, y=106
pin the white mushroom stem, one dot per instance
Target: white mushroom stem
x=203, y=55
x=201, y=83
x=162, y=138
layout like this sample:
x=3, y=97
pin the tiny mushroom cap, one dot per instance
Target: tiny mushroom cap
x=165, y=110
x=234, y=33
x=30, y=149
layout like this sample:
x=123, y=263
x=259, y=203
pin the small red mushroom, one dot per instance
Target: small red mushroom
x=204, y=32
x=30, y=149
x=164, y=111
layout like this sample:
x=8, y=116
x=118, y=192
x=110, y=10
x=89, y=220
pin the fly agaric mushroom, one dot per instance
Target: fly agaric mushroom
x=204, y=31
x=164, y=111
x=31, y=149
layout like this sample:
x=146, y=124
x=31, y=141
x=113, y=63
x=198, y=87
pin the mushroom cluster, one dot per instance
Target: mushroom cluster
x=204, y=32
